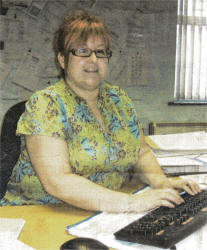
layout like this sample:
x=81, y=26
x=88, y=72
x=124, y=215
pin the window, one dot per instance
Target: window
x=191, y=52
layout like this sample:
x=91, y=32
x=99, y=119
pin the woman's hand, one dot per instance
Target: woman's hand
x=189, y=186
x=150, y=172
x=165, y=193
x=154, y=198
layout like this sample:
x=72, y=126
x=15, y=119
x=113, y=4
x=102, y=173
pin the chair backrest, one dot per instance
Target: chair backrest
x=10, y=144
x=161, y=128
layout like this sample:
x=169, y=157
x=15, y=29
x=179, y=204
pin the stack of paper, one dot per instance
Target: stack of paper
x=182, y=153
x=9, y=233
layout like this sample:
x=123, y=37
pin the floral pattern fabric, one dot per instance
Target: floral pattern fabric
x=105, y=156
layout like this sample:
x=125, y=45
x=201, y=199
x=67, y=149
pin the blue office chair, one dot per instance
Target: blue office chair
x=10, y=144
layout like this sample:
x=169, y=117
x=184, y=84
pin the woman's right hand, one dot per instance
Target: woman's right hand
x=154, y=198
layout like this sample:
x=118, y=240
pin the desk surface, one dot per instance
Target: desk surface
x=45, y=224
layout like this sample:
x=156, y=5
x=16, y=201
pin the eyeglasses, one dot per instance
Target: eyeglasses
x=100, y=53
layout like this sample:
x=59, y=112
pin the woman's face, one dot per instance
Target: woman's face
x=86, y=73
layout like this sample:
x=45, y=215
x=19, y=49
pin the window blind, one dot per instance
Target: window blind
x=191, y=51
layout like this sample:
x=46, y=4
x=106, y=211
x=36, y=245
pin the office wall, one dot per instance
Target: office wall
x=143, y=62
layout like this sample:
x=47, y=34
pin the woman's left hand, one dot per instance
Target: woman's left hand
x=189, y=186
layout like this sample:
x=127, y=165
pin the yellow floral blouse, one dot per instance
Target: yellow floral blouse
x=104, y=156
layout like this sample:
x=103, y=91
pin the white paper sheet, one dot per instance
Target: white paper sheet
x=10, y=230
x=182, y=141
x=185, y=160
x=13, y=226
x=6, y=243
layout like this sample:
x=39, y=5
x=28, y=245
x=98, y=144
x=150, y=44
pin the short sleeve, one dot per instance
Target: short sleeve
x=43, y=116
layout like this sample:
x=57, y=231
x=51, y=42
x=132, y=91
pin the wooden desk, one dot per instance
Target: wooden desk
x=45, y=224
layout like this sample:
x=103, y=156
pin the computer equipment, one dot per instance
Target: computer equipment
x=83, y=243
x=164, y=226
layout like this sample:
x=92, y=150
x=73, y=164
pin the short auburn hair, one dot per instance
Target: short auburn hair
x=77, y=28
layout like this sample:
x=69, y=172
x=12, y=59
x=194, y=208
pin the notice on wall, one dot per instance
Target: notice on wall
x=28, y=73
x=4, y=72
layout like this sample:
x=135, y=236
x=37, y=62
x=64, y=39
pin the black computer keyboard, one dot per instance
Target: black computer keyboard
x=164, y=227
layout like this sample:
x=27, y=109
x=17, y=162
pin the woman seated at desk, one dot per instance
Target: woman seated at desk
x=81, y=140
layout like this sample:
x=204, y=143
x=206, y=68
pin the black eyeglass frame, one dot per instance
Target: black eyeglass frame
x=73, y=51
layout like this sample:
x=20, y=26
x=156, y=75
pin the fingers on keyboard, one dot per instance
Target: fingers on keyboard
x=172, y=196
x=191, y=187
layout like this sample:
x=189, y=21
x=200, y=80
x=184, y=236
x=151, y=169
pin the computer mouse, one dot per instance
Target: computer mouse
x=83, y=244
